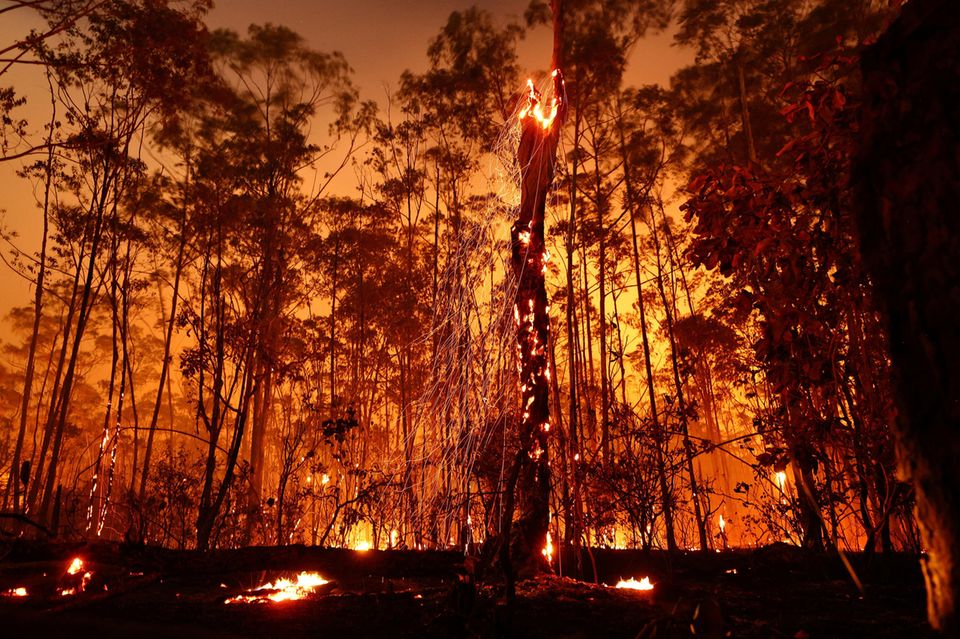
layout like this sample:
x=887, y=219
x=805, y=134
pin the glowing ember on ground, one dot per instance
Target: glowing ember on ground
x=633, y=584
x=16, y=592
x=282, y=590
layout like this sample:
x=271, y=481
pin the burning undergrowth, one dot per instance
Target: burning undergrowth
x=283, y=589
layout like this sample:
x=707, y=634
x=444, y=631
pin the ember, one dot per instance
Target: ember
x=282, y=590
x=633, y=584
x=16, y=592
x=75, y=566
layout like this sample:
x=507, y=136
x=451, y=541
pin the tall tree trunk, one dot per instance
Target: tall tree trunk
x=666, y=502
x=167, y=342
x=909, y=185
x=56, y=428
x=536, y=157
x=573, y=528
x=669, y=309
x=602, y=283
x=15, y=467
x=333, y=328
x=744, y=107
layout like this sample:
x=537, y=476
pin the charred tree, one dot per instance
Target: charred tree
x=908, y=178
x=530, y=476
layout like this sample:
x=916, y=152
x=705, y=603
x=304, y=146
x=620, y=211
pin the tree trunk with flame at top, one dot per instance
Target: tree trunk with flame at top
x=530, y=476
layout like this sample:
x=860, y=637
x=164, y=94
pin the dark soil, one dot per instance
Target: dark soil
x=146, y=592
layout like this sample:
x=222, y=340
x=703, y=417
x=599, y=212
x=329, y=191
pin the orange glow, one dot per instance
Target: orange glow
x=633, y=584
x=282, y=590
x=16, y=592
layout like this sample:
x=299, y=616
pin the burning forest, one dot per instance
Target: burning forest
x=549, y=318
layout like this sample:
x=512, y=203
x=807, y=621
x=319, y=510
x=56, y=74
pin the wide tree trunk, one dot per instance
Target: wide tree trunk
x=908, y=182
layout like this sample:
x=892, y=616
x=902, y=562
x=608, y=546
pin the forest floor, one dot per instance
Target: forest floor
x=777, y=591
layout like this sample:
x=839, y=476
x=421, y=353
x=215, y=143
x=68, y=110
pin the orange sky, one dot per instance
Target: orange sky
x=380, y=39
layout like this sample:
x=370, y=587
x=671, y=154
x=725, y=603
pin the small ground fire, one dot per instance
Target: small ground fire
x=284, y=589
x=633, y=584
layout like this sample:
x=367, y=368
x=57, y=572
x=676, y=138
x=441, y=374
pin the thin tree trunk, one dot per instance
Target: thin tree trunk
x=681, y=403
x=601, y=282
x=86, y=304
x=15, y=466
x=745, y=109
x=573, y=528
x=167, y=343
x=666, y=503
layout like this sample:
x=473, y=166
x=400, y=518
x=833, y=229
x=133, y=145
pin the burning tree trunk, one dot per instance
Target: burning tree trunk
x=530, y=477
x=909, y=182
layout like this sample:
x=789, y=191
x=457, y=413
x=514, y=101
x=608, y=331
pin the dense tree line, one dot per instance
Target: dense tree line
x=225, y=347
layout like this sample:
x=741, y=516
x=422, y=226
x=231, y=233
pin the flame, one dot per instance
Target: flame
x=75, y=566
x=633, y=584
x=362, y=546
x=16, y=592
x=723, y=524
x=781, y=479
x=535, y=107
x=547, y=551
x=282, y=590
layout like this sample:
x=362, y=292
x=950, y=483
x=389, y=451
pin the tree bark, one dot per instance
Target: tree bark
x=908, y=182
